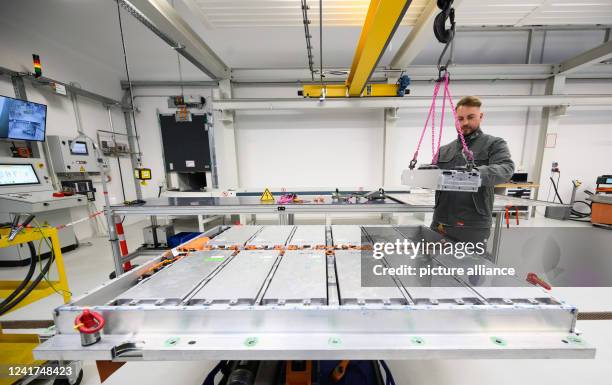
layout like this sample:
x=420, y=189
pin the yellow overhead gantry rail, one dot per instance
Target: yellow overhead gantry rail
x=382, y=20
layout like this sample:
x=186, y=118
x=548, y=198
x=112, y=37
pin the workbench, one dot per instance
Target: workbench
x=414, y=201
x=277, y=293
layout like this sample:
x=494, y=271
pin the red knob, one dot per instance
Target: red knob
x=533, y=279
x=89, y=322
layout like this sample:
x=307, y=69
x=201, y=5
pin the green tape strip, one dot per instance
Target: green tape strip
x=172, y=341
x=574, y=339
x=498, y=341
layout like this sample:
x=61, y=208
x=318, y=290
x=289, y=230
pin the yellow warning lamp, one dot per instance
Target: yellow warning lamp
x=142, y=173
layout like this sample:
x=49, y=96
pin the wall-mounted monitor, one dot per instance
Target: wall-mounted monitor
x=17, y=174
x=22, y=120
x=78, y=148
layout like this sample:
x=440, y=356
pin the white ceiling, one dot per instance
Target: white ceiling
x=288, y=13
x=85, y=32
x=342, y=13
x=534, y=12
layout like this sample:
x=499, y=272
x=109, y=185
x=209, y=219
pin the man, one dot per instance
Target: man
x=466, y=216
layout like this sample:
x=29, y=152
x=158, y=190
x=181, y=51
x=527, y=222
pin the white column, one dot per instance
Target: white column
x=225, y=140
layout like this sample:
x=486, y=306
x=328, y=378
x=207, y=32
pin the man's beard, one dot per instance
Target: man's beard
x=471, y=132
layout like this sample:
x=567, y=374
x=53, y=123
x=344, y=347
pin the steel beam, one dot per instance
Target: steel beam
x=512, y=28
x=409, y=102
x=44, y=81
x=19, y=87
x=279, y=76
x=461, y=72
x=163, y=20
x=168, y=83
x=133, y=144
x=592, y=56
x=549, y=120
x=225, y=140
x=420, y=35
x=380, y=25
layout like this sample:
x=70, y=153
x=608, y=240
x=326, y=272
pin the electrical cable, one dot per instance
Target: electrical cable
x=549, y=189
x=321, y=40
x=127, y=73
x=121, y=177
x=27, y=278
x=574, y=214
x=30, y=288
x=117, y=156
x=308, y=37
x=10, y=302
x=554, y=185
x=389, y=380
x=178, y=59
x=50, y=246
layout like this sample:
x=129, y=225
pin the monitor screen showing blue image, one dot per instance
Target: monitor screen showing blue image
x=22, y=120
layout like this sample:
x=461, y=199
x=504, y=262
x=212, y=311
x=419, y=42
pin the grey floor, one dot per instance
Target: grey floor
x=89, y=265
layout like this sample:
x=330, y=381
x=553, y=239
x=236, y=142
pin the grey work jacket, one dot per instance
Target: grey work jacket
x=473, y=209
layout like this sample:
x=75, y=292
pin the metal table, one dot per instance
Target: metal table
x=418, y=201
x=280, y=304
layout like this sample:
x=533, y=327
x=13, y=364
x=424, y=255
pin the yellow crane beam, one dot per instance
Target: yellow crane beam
x=383, y=18
x=341, y=91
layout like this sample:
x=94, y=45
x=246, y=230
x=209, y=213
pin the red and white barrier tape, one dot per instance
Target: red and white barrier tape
x=80, y=220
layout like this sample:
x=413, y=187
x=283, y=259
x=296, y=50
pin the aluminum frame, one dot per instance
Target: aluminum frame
x=314, y=330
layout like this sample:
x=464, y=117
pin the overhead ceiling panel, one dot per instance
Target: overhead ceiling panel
x=287, y=13
x=534, y=12
x=339, y=13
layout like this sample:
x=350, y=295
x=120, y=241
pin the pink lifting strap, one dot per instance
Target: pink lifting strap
x=432, y=115
x=429, y=116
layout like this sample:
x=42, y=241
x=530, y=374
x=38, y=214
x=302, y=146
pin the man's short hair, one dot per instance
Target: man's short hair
x=469, y=101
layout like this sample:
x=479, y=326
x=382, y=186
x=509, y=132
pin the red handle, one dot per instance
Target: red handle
x=533, y=279
x=516, y=213
x=508, y=217
x=89, y=322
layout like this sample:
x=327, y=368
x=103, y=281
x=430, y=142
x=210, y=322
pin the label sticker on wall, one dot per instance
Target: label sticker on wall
x=190, y=163
x=59, y=88
x=551, y=141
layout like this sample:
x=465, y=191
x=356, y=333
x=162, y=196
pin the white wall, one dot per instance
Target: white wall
x=77, y=43
x=583, y=143
x=61, y=120
x=345, y=147
x=307, y=148
x=149, y=102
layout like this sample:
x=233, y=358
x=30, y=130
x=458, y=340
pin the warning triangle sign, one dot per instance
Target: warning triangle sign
x=266, y=196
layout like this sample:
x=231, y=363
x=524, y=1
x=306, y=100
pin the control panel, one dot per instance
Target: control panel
x=38, y=201
x=72, y=156
x=23, y=174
